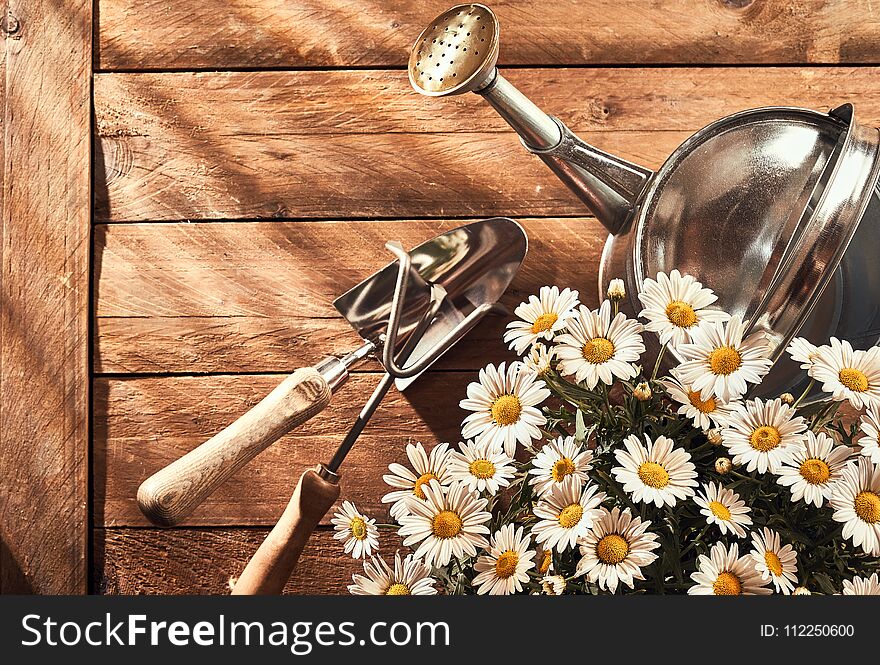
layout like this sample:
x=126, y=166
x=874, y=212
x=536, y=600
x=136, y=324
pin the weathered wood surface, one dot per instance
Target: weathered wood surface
x=142, y=424
x=45, y=66
x=313, y=144
x=193, y=34
x=257, y=296
x=201, y=561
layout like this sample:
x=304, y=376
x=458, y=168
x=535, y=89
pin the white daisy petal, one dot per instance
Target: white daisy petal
x=557, y=460
x=848, y=374
x=505, y=407
x=566, y=513
x=540, y=318
x=359, y=532
x=481, y=467
x=723, y=507
x=427, y=467
x=505, y=569
x=862, y=586
x=410, y=577
x=675, y=305
x=655, y=473
x=811, y=470
x=764, y=435
x=725, y=573
x=615, y=549
x=773, y=561
x=855, y=498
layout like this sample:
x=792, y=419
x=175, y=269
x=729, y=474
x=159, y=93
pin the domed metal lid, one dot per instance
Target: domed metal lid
x=762, y=206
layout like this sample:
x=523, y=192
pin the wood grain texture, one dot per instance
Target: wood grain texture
x=192, y=34
x=361, y=144
x=44, y=282
x=202, y=561
x=143, y=424
x=257, y=296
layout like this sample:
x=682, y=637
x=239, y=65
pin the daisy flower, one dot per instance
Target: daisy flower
x=504, y=570
x=725, y=573
x=870, y=425
x=504, y=403
x=410, y=577
x=540, y=360
x=720, y=363
x=658, y=472
x=427, y=467
x=847, y=374
x=862, y=586
x=675, y=305
x=447, y=524
x=616, y=549
x=481, y=467
x=855, y=499
x=596, y=347
x=723, y=507
x=705, y=413
x=764, y=435
x=811, y=470
x=566, y=513
x=803, y=352
x=773, y=561
x=357, y=530
x=558, y=460
x=540, y=318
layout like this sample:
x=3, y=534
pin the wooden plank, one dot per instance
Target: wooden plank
x=142, y=424
x=192, y=34
x=197, y=561
x=44, y=281
x=362, y=144
x=256, y=296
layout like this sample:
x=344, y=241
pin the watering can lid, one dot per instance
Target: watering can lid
x=763, y=204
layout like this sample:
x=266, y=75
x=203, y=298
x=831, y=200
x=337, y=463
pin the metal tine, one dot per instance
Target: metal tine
x=397, y=300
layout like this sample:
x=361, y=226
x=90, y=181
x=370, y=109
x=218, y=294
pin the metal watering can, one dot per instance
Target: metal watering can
x=776, y=209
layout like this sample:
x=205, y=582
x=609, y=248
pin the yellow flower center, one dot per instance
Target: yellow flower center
x=765, y=438
x=482, y=468
x=397, y=589
x=653, y=475
x=506, y=409
x=724, y=360
x=774, y=565
x=358, y=528
x=424, y=478
x=571, y=515
x=563, y=467
x=703, y=407
x=446, y=524
x=815, y=471
x=546, y=560
x=853, y=379
x=612, y=549
x=681, y=314
x=867, y=506
x=505, y=565
x=727, y=584
x=719, y=510
x=544, y=322
x=598, y=350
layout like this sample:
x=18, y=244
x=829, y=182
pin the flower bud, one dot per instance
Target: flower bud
x=553, y=585
x=642, y=392
x=723, y=465
x=787, y=398
x=616, y=290
x=801, y=591
x=714, y=436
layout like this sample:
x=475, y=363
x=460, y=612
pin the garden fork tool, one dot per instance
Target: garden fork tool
x=408, y=315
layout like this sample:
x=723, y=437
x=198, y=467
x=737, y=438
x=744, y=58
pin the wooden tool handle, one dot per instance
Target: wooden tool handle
x=170, y=495
x=269, y=569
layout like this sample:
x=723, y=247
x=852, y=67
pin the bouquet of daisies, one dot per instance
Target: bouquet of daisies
x=583, y=471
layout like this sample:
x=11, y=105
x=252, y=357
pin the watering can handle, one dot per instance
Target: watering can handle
x=173, y=493
x=271, y=566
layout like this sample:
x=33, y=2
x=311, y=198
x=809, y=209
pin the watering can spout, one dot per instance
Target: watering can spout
x=608, y=185
x=458, y=52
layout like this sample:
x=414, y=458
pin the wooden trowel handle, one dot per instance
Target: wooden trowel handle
x=170, y=495
x=270, y=568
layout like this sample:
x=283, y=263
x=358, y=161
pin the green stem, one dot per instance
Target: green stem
x=804, y=394
x=657, y=363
